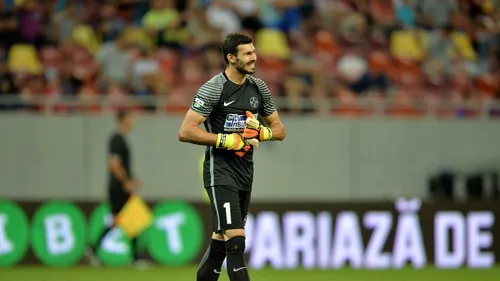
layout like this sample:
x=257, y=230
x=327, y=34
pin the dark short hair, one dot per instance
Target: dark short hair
x=121, y=115
x=231, y=43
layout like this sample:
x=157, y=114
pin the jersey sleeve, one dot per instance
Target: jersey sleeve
x=268, y=107
x=116, y=147
x=206, y=98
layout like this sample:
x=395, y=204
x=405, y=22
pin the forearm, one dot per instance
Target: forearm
x=278, y=132
x=119, y=173
x=195, y=135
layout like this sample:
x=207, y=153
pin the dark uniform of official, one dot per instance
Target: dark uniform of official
x=117, y=195
x=227, y=177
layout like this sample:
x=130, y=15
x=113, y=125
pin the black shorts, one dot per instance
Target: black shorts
x=117, y=199
x=229, y=207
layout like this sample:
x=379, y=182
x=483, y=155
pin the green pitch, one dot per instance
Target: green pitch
x=39, y=273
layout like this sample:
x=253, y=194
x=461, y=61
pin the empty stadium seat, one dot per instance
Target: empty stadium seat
x=379, y=62
x=464, y=46
x=487, y=84
x=272, y=43
x=408, y=44
x=167, y=58
x=461, y=83
x=326, y=47
x=85, y=36
x=178, y=101
x=408, y=81
x=347, y=105
x=138, y=36
x=24, y=58
x=271, y=68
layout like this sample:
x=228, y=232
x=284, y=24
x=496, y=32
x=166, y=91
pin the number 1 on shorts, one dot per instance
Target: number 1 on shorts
x=227, y=207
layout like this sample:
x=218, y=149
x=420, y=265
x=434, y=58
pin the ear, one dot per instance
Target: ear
x=231, y=58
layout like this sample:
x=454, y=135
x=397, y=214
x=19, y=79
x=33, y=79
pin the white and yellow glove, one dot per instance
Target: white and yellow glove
x=255, y=129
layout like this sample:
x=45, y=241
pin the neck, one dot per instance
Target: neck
x=122, y=131
x=235, y=76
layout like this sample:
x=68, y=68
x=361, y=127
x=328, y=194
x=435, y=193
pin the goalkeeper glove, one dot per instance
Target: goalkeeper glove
x=235, y=142
x=255, y=129
x=248, y=144
x=245, y=149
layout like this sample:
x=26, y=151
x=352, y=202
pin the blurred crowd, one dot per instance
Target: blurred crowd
x=308, y=50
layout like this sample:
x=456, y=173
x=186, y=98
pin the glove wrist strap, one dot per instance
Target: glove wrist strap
x=266, y=134
x=221, y=140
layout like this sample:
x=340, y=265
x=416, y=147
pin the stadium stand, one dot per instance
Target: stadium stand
x=354, y=57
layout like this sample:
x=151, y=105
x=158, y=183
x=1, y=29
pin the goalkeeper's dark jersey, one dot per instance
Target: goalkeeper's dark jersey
x=224, y=103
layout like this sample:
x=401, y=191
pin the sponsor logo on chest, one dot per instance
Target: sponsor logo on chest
x=236, y=122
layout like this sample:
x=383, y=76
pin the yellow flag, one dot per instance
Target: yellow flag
x=135, y=216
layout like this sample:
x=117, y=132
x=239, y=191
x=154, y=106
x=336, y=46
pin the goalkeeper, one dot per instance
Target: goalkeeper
x=229, y=106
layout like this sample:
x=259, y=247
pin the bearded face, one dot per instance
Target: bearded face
x=245, y=59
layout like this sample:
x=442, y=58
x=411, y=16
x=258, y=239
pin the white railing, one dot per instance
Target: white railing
x=159, y=105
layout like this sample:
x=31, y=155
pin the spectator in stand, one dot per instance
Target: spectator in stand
x=64, y=21
x=282, y=15
x=166, y=23
x=405, y=13
x=354, y=75
x=8, y=88
x=306, y=47
x=229, y=15
x=8, y=30
x=145, y=73
x=111, y=25
x=30, y=14
x=353, y=27
x=437, y=13
x=202, y=34
x=115, y=63
x=163, y=15
x=445, y=47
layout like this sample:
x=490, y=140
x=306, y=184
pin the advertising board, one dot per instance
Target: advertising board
x=371, y=235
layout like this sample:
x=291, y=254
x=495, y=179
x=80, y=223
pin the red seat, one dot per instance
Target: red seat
x=324, y=41
x=168, y=58
x=407, y=65
x=404, y=105
x=408, y=81
x=435, y=82
x=348, y=106
x=179, y=100
x=487, y=84
x=272, y=69
x=327, y=50
x=379, y=62
x=461, y=84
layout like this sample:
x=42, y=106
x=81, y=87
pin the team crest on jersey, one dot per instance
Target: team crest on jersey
x=236, y=122
x=254, y=102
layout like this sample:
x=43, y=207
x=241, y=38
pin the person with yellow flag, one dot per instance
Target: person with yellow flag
x=129, y=211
